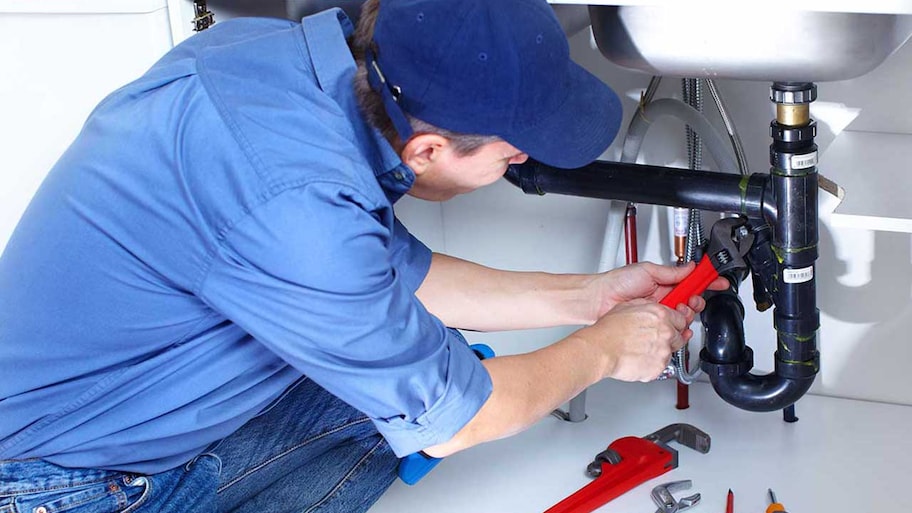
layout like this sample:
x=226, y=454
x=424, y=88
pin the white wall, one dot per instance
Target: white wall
x=56, y=64
x=864, y=277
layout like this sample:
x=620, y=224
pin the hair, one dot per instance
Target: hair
x=371, y=102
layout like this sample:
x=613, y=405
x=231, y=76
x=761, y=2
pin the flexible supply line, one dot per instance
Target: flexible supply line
x=729, y=127
x=692, y=93
x=617, y=211
x=692, y=89
x=716, y=145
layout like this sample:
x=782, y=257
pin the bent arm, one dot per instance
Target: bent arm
x=470, y=296
x=633, y=343
x=527, y=387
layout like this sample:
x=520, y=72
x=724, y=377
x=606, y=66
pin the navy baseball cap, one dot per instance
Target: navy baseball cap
x=491, y=67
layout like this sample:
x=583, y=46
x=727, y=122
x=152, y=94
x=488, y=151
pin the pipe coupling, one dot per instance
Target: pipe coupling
x=730, y=369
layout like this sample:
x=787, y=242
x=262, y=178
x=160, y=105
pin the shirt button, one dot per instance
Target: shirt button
x=398, y=176
x=41, y=509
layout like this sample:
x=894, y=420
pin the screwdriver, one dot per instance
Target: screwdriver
x=774, y=505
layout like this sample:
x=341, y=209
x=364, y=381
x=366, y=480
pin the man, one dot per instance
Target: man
x=210, y=305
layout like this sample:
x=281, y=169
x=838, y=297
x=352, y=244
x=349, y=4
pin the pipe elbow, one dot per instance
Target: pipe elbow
x=723, y=319
x=727, y=360
x=766, y=393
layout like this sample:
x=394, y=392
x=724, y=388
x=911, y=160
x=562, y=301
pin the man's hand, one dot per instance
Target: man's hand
x=635, y=333
x=636, y=339
x=644, y=281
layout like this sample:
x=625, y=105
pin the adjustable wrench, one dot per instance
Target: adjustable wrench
x=723, y=255
x=629, y=462
x=666, y=502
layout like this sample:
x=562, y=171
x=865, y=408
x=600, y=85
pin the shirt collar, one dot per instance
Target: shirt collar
x=334, y=67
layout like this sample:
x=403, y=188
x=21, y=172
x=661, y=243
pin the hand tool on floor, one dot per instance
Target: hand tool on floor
x=775, y=505
x=629, y=462
x=416, y=465
x=662, y=496
x=723, y=254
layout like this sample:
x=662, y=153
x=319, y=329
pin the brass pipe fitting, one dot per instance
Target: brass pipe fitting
x=790, y=114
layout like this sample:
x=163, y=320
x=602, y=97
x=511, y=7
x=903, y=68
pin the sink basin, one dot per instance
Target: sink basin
x=747, y=43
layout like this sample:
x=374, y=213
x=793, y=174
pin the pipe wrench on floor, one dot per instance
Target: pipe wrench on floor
x=629, y=462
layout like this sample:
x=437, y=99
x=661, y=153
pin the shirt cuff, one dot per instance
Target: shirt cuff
x=468, y=387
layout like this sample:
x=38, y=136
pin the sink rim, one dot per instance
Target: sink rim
x=809, y=46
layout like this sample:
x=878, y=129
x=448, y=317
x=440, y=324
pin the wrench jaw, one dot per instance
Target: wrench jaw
x=725, y=252
x=685, y=434
x=662, y=496
x=611, y=456
x=688, y=502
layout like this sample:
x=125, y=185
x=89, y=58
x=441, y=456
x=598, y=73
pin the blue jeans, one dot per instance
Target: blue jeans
x=308, y=452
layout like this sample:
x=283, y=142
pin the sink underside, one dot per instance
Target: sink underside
x=747, y=43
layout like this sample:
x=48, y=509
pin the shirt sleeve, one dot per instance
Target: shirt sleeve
x=326, y=280
x=409, y=256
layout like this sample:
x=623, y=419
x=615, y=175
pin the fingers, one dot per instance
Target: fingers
x=720, y=283
x=688, y=314
x=668, y=275
x=686, y=335
x=681, y=321
x=696, y=303
x=678, y=341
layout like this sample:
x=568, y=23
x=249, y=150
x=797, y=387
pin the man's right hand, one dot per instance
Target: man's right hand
x=637, y=338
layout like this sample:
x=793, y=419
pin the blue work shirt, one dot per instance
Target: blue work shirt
x=220, y=228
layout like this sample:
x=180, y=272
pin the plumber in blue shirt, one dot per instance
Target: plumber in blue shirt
x=210, y=305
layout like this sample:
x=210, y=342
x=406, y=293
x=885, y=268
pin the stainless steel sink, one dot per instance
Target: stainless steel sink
x=747, y=43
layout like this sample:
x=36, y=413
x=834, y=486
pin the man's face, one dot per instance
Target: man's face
x=442, y=174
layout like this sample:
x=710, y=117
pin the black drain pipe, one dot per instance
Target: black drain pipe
x=654, y=185
x=782, y=204
x=792, y=251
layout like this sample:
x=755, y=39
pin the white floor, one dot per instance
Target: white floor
x=842, y=456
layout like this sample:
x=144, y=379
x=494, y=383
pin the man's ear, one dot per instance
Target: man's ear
x=423, y=150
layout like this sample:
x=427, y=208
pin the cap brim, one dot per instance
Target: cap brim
x=580, y=130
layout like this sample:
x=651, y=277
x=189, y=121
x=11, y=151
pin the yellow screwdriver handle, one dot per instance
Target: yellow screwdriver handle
x=774, y=504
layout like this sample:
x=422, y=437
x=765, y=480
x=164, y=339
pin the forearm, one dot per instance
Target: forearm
x=470, y=296
x=527, y=388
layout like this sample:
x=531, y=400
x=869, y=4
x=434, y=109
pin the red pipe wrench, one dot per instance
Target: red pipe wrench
x=629, y=462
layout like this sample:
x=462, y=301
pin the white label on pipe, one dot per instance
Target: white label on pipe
x=798, y=275
x=804, y=161
x=681, y=220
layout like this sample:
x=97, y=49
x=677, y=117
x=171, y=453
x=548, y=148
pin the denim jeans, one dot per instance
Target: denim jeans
x=307, y=452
